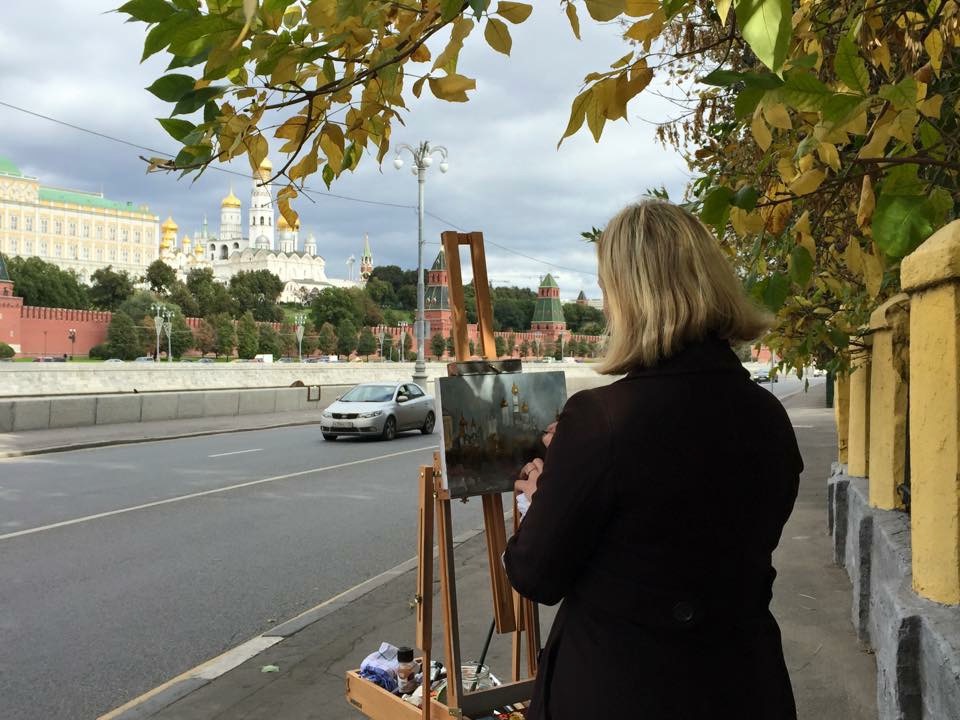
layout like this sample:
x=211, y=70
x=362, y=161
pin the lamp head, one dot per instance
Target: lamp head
x=427, y=161
x=444, y=166
x=398, y=162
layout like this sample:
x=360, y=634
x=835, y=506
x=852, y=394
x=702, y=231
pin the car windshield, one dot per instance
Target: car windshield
x=369, y=393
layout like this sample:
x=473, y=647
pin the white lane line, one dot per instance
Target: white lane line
x=191, y=496
x=235, y=452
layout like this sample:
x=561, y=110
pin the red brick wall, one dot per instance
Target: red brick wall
x=44, y=331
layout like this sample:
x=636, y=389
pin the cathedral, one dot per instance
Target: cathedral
x=267, y=242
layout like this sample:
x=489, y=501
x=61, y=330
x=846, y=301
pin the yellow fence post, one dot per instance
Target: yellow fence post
x=889, y=368
x=931, y=274
x=858, y=439
x=841, y=412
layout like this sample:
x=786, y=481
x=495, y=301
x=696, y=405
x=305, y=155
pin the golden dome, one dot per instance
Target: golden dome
x=169, y=224
x=198, y=250
x=266, y=165
x=230, y=200
x=282, y=223
x=187, y=241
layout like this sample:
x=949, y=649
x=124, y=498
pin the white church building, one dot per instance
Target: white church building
x=267, y=243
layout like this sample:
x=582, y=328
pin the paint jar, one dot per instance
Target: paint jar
x=475, y=677
x=406, y=671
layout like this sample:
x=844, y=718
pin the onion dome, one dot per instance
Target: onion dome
x=169, y=224
x=230, y=201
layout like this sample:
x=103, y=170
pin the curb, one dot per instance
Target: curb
x=134, y=441
x=159, y=698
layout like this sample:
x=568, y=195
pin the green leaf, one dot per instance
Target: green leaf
x=161, y=36
x=942, y=203
x=903, y=180
x=171, y=88
x=725, y=78
x=801, y=265
x=722, y=78
x=449, y=9
x=179, y=62
x=177, y=128
x=765, y=25
x=210, y=112
x=849, y=67
x=804, y=61
x=148, y=11
x=478, y=7
x=901, y=223
x=841, y=107
x=745, y=198
x=802, y=91
x=328, y=175
x=604, y=10
x=903, y=95
x=747, y=102
x=773, y=291
x=513, y=11
x=196, y=99
x=716, y=206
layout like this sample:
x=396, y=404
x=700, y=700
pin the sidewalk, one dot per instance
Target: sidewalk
x=832, y=678
x=34, y=442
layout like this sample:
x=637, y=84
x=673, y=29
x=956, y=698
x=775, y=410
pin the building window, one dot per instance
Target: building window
x=43, y=225
x=124, y=235
x=113, y=254
x=86, y=253
x=99, y=254
x=43, y=247
x=126, y=255
x=136, y=258
x=13, y=245
x=28, y=223
x=57, y=250
x=13, y=222
x=99, y=232
x=57, y=227
x=261, y=222
x=27, y=246
x=73, y=229
x=73, y=252
x=86, y=229
x=136, y=236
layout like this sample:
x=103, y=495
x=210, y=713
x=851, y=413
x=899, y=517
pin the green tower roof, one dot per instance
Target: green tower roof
x=441, y=262
x=8, y=168
x=548, y=310
x=4, y=275
x=549, y=282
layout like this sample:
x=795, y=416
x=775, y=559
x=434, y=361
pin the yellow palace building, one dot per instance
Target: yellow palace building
x=76, y=230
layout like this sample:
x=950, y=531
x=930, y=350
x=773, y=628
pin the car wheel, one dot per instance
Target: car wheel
x=389, y=429
x=428, y=423
x=328, y=436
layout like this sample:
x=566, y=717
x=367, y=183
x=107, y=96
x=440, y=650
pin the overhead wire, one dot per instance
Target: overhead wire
x=304, y=189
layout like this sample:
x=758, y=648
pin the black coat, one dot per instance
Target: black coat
x=662, y=498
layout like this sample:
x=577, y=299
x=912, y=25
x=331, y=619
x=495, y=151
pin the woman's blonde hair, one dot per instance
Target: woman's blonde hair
x=667, y=283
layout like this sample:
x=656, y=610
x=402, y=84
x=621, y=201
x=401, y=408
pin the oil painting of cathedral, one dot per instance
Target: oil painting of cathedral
x=492, y=426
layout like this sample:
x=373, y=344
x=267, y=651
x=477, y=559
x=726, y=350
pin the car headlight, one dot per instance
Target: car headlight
x=372, y=414
x=326, y=414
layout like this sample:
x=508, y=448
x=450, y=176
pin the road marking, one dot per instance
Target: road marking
x=191, y=496
x=235, y=452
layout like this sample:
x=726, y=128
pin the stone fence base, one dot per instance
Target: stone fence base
x=916, y=641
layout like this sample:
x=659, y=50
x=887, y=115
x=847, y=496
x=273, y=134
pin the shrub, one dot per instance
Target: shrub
x=6, y=351
x=100, y=352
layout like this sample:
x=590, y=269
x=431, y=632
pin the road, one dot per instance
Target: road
x=125, y=566
x=102, y=599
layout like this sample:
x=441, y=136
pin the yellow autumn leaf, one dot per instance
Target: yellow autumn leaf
x=872, y=273
x=805, y=163
x=646, y=30
x=933, y=44
x=639, y=8
x=513, y=11
x=828, y=155
x=931, y=106
x=786, y=170
x=746, y=223
x=574, y=19
x=257, y=149
x=806, y=242
x=497, y=35
x=807, y=182
x=761, y=133
x=867, y=202
x=880, y=55
x=802, y=226
x=452, y=87
x=421, y=54
x=853, y=257
x=723, y=9
x=878, y=143
x=777, y=115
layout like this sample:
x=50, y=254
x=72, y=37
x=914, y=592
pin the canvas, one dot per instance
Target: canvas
x=492, y=425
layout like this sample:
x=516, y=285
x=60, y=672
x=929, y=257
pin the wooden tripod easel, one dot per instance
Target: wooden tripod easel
x=512, y=614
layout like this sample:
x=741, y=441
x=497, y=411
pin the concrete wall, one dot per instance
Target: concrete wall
x=19, y=379
x=42, y=413
x=916, y=641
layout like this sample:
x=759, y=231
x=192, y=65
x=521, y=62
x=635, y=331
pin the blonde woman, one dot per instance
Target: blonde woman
x=661, y=498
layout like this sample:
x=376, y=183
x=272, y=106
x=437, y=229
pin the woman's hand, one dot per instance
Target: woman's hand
x=529, y=476
x=548, y=434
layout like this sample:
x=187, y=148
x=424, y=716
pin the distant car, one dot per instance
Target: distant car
x=144, y=358
x=113, y=360
x=206, y=360
x=819, y=372
x=45, y=358
x=379, y=409
x=762, y=375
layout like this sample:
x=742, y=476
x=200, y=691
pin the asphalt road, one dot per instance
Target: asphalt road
x=102, y=599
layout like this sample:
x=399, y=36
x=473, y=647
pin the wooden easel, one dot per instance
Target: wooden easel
x=512, y=614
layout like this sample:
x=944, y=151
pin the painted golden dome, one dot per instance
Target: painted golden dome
x=266, y=165
x=282, y=224
x=230, y=200
x=169, y=224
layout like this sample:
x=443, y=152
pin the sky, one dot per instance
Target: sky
x=79, y=63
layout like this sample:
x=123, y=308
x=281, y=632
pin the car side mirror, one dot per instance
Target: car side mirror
x=402, y=398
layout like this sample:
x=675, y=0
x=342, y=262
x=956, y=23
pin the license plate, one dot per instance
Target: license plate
x=342, y=424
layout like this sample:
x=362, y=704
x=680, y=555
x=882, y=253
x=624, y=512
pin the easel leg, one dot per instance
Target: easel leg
x=503, y=611
x=448, y=593
x=424, y=599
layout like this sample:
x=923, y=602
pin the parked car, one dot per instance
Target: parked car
x=762, y=375
x=205, y=360
x=819, y=372
x=113, y=360
x=144, y=358
x=379, y=409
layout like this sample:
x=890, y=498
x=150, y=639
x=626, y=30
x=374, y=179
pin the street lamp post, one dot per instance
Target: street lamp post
x=383, y=336
x=423, y=158
x=168, y=329
x=537, y=335
x=72, y=335
x=300, y=324
x=157, y=309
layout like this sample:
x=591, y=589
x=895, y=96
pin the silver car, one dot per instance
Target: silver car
x=379, y=409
